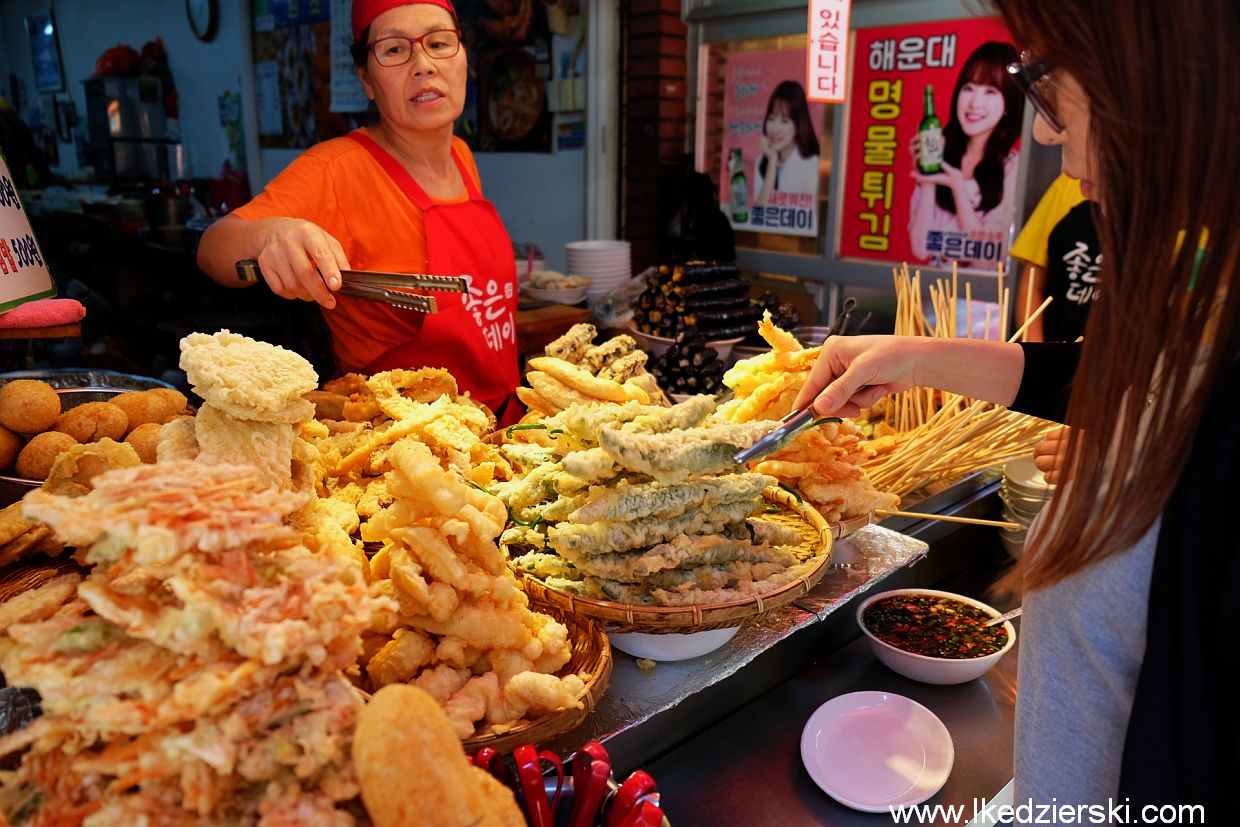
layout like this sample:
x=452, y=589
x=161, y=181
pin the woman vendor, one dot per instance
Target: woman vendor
x=400, y=196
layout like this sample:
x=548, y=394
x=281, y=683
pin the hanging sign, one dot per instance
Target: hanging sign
x=827, y=55
x=932, y=145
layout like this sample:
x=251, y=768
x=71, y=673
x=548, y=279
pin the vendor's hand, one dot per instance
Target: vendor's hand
x=301, y=260
x=1051, y=455
x=854, y=372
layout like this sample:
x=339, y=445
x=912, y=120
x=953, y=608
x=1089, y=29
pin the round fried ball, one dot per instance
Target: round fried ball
x=28, y=406
x=145, y=440
x=35, y=460
x=174, y=398
x=93, y=420
x=10, y=447
x=144, y=406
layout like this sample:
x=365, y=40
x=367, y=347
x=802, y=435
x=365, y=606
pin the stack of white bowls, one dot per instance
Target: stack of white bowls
x=1024, y=490
x=606, y=263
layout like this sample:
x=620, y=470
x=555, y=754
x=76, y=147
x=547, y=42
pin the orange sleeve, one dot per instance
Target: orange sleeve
x=305, y=189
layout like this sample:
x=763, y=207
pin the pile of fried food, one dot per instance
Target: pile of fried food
x=822, y=463
x=575, y=371
x=195, y=675
x=643, y=505
x=34, y=430
x=208, y=669
x=402, y=485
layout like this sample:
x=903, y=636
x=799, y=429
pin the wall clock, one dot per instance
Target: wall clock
x=204, y=18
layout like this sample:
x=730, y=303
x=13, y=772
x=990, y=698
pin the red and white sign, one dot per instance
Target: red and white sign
x=947, y=79
x=827, y=53
x=23, y=275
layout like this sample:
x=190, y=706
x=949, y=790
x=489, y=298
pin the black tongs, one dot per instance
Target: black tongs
x=388, y=288
x=796, y=421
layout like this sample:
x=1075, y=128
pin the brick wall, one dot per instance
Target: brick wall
x=653, y=139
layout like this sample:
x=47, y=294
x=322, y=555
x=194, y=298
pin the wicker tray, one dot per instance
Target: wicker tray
x=591, y=658
x=620, y=617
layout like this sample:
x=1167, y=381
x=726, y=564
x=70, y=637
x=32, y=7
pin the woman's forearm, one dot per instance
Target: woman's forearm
x=977, y=368
x=225, y=242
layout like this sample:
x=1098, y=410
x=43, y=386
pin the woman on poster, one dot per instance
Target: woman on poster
x=789, y=161
x=972, y=197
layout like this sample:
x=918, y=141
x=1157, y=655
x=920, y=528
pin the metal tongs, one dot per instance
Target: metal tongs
x=381, y=287
x=796, y=421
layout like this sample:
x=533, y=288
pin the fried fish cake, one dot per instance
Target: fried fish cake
x=28, y=406
x=35, y=460
x=93, y=420
x=413, y=770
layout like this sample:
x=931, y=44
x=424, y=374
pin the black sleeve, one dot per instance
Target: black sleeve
x=1047, y=380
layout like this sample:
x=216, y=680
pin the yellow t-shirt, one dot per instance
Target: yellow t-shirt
x=1061, y=196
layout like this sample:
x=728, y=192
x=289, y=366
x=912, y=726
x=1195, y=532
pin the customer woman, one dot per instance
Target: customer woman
x=974, y=193
x=789, y=161
x=1128, y=647
x=401, y=196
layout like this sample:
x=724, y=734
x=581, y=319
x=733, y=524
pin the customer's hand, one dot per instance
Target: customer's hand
x=854, y=372
x=1051, y=455
x=301, y=260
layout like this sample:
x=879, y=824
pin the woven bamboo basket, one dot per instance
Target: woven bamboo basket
x=620, y=617
x=591, y=659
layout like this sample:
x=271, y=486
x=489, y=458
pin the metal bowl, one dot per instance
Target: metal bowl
x=13, y=489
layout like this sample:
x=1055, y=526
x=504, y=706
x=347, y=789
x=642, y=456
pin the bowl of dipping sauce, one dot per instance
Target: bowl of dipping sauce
x=933, y=636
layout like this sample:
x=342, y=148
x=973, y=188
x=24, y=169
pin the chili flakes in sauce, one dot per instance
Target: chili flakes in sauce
x=938, y=627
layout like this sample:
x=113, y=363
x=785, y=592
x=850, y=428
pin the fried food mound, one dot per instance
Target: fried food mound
x=248, y=379
x=413, y=770
x=194, y=677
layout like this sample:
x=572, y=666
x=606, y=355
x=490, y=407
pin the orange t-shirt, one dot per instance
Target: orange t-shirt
x=339, y=186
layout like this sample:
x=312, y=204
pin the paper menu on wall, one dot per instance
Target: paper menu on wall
x=267, y=90
x=347, y=92
x=23, y=274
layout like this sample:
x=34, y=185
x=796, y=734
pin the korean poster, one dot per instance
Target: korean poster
x=769, y=171
x=933, y=145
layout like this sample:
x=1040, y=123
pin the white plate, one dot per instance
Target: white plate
x=874, y=750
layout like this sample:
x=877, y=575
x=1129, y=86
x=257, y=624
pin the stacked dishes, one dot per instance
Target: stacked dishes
x=607, y=263
x=1024, y=490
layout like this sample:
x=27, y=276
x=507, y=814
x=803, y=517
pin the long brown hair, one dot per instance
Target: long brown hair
x=789, y=99
x=1164, y=97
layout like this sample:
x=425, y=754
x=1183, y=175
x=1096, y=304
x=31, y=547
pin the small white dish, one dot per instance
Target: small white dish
x=671, y=647
x=875, y=750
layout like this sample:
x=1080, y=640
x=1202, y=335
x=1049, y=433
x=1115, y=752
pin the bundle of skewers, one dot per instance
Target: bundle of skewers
x=928, y=437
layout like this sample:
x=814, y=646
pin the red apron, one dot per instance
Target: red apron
x=473, y=336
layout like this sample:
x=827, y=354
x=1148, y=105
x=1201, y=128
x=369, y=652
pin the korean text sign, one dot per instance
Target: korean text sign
x=769, y=171
x=827, y=56
x=23, y=274
x=932, y=145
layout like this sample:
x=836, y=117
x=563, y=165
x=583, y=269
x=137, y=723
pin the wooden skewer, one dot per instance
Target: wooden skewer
x=882, y=512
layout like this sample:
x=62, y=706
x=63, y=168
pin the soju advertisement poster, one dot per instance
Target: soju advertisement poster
x=768, y=177
x=933, y=126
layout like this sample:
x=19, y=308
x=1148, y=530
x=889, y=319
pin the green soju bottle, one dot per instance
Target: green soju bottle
x=930, y=139
x=740, y=188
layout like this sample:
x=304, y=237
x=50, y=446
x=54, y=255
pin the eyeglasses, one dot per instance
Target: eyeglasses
x=1031, y=76
x=397, y=49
